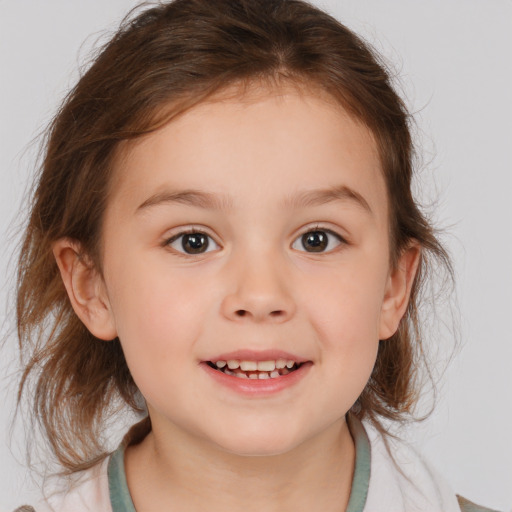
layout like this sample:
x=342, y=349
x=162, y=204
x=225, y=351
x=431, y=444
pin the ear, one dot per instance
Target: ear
x=86, y=289
x=398, y=290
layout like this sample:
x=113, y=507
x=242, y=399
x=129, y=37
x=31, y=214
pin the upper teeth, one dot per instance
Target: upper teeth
x=248, y=366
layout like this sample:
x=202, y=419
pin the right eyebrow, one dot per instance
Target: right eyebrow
x=188, y=197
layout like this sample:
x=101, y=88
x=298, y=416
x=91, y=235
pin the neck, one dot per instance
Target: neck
x=193, y=475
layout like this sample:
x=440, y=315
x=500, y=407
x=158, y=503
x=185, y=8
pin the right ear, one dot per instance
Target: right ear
x=86, y=289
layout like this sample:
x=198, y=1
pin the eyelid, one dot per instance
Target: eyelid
x=188, y=231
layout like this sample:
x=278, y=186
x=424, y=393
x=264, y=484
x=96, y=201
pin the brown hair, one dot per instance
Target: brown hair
x=161, y=62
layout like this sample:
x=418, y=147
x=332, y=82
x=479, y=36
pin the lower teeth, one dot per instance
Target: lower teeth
x=256, y=375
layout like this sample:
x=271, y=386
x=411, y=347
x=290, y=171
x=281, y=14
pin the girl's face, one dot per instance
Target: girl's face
x=251, y=230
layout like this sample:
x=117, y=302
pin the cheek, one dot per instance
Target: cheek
x=345, y=306
x=159, y=316
x=344, y=310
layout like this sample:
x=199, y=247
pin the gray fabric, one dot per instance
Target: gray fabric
x=362, y=468
x=120, y=498
x=469, y=506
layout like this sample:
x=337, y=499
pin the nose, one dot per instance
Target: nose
x=260, y=291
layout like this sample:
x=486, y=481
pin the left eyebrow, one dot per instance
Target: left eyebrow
x=328, y=195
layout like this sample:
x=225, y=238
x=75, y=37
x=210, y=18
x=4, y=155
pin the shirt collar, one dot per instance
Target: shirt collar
x=121, y=500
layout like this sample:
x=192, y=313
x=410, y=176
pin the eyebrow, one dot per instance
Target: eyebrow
x=328, y=195
x=196, y=198
x=210, y=201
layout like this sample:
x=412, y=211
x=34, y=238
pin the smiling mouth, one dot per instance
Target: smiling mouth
x=255, y=369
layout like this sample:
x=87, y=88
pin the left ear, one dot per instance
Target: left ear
x=398, y=290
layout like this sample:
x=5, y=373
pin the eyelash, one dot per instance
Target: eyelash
x=298, y=240
x=320, y=229
x=191, y=231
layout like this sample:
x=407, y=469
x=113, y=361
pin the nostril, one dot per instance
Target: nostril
x=278, y=313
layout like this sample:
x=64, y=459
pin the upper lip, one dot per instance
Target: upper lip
x=258, y=355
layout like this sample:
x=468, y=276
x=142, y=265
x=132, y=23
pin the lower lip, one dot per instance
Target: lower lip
x=258, y=387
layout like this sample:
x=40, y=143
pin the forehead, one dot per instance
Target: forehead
x=256, y=147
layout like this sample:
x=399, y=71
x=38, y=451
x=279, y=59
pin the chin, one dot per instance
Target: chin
x=259, y=449
x=259, y=442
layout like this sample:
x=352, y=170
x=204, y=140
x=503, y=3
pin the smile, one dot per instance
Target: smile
x=271, y=369
x=257, y=373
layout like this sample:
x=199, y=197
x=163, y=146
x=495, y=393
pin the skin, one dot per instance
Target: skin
x=256, y=287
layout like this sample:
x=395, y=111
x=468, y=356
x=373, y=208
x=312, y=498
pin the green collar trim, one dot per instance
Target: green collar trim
x=121, y=500
x=361, y=478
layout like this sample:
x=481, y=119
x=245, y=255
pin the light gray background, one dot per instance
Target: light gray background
x=455, y=59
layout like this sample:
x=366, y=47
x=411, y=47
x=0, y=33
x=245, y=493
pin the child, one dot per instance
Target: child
x=223, y=235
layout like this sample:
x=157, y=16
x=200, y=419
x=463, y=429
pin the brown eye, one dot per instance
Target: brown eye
x=192, y=243
x=317, y=241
